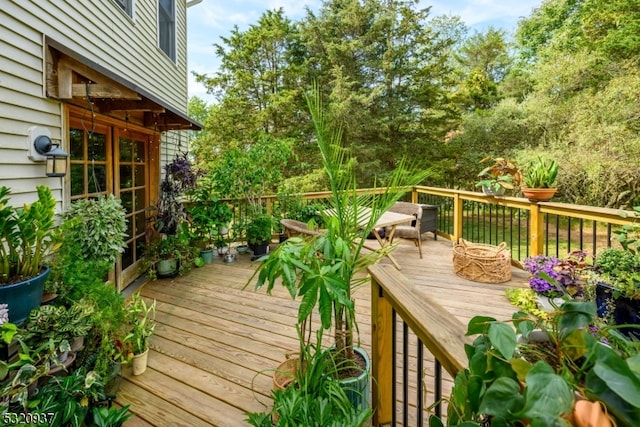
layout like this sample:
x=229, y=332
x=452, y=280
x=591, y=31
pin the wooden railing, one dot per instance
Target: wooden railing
x=528, y=228
x=392, y=296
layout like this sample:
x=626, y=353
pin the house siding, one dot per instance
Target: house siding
x=95, y=29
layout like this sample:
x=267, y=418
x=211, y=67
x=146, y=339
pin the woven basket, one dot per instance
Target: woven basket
x=482, y=263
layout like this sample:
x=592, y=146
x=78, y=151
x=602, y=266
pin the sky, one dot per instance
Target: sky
x=211, y=19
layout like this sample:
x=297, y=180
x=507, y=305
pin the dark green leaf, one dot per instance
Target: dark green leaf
x=501, y=398
x=503, y=338
x=479, y=325
x=546, y=394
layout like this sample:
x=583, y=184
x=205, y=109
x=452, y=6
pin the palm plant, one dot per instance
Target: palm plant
x=324, y=271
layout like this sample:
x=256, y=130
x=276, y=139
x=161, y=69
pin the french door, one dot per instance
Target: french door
x=112, y=157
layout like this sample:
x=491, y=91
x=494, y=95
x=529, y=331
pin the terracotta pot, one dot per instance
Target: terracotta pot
x=539, y=194
x=589, y=414
x=63, y=365
x=285, y=373
x=139, y=363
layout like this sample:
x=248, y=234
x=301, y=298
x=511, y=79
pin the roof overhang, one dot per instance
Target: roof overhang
x=73, y=78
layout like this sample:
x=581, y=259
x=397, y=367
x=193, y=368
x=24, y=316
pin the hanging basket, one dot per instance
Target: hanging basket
x=483, y=263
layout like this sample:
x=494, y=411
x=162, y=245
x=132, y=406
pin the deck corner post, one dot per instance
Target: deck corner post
x=536, y=230
x=382, y=355
x=458, y=215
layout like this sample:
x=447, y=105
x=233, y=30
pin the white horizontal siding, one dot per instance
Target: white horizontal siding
x=22, y=106
x=20, y=198
x=98, y=30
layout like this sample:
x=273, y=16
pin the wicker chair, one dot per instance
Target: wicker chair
x=293, y=227
x=412, y=231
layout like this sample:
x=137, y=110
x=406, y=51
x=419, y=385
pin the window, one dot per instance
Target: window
x=126, y=5
x=167, y=27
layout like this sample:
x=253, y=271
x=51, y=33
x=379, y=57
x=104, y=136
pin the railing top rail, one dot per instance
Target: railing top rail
x=611, y=215
x=440, y=332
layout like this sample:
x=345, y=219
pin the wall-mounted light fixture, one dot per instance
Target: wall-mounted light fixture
x=43, y=148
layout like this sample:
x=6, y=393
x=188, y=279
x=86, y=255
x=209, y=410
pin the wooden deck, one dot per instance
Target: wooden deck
x=217, y=344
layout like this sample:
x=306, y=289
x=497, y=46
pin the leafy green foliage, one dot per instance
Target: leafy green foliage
x=207, y=213
x=26, y=235
x=142, y=322
x=514, y=379
x=96, y=228
x=540, y=173
x=163, y=246
x=259, y=229
x=252, y=173
x=314, y=398
x=111, y=416
x=68, y=398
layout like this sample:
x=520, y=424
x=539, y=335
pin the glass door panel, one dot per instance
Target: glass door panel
x=89, y=161
x=132, y=188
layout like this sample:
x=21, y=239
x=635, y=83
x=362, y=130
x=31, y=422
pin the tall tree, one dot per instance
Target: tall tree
x=483, y=61
x=258, y=85
x=384, y=68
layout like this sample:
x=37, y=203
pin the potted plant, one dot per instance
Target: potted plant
x=59, y=324
x=67, y=400
x=169, y=212
x=553, y=279
x=514, y=378
x=313, y=395
x=142, y=324
x=539, y=179
x=110, y=416
x=502, y=175
x=167, y=255
x=98, y=226
x=259, y=232
x=323, y=270
x=26, y=240
x=208, y=215
x=91, y=237
x=239, y=235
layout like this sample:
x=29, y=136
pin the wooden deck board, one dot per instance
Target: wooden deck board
x=218, y=341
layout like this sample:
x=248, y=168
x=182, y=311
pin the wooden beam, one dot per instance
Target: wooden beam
x=106, y=86
x=107, y=105
x=103, y=91
x=65, y=81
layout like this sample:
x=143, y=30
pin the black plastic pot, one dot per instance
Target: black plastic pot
x=259, y=250
x=625, y=310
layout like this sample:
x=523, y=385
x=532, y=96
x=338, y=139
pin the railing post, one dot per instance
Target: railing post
x=458, y=213
x=414, y=195
x=536, y=229
x=382, y=356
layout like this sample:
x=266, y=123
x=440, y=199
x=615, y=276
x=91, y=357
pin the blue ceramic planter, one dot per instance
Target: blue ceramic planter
x=22, y=297
x=358, y=389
